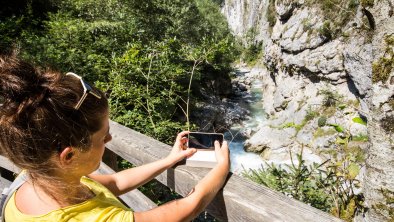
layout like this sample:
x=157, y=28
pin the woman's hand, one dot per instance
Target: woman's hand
x=179, y=150
x=222, y=154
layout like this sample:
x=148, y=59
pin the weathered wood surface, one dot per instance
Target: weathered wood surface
x=4, y=183
x=240, y=199
x=7, y=164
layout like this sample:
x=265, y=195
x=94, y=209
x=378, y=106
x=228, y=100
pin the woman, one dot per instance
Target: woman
x=55, y=127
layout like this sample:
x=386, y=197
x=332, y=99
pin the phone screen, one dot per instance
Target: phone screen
x=204, y=140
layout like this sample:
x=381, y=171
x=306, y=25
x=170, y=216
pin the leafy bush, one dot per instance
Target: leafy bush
x=330, y=98
x=322, y=121
x=328, y=186
x=142, y=51
x=297, y=180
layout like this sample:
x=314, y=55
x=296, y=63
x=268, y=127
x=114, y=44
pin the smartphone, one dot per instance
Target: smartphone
x=201, y=140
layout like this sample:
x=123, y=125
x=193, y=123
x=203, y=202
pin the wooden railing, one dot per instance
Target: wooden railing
x=239, y=200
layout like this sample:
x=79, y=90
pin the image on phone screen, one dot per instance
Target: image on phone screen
x=200, y=140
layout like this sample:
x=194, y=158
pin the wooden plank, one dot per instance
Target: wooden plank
x=134, y=199
x=4, y=183
x=7, y=164
x=240, y=199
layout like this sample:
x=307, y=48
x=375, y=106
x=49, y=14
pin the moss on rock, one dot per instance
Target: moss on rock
x=367, y=3
x=382, y=68
x=387, y=124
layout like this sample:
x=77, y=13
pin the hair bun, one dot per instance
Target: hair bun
x=21, y=85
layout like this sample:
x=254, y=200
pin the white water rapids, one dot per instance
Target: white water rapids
x=240, y=159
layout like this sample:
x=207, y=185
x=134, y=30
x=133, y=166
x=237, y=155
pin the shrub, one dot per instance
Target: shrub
x=325, y=30
x=330, y=98
x=322, y=121
x=382, y=68
x=271, y=13
x=328, y=186
x=387, y=124
x=367, y=3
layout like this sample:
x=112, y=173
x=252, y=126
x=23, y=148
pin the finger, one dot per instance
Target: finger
x=224, y=144
x=190, y=152
x=182, y=134
x=217, y=145
x=184, y=140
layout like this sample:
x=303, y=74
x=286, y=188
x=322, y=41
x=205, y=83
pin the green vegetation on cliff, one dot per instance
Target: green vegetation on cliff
x=382, y=68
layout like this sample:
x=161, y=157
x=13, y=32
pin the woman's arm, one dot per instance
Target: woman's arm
x=127, y=180
x=189, y=207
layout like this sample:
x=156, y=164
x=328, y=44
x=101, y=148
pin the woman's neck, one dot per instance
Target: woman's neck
x=63, y=191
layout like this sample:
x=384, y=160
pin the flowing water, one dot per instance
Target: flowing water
x=239, y=158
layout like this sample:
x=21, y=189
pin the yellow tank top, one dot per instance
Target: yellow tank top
x=103, y=207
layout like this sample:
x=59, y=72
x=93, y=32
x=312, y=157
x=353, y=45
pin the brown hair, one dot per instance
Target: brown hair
x=37, y=117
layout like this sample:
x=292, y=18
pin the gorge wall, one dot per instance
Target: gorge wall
x=325, y=66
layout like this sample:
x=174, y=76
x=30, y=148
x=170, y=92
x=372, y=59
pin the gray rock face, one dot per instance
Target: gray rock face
x=379, y=175
x=358, y=63
x=304, y=64
x=295, y=36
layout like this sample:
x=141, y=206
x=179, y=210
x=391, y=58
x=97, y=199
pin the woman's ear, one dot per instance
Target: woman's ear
x=66, y=156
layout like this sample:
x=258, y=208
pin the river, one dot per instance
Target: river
x=240, y=159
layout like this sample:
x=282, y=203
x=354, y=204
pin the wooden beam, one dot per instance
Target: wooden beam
x=240, y=199
x=134, y=199
x=7, y=164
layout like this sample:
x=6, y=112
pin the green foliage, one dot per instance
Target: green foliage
x=124, y=164
x=361, y=138
x=382, y=68
x=330, y=98
x=271, y=13
x=287, y=125
x=342, y=106
x=367, y=3
x=144, y=91
x=296, y=180
x=327, y=186
x=326, y=30
x=322, y=121
x=22, y=16
x=387, y=124
x=310, y=114
x=320, y=132
x=143, y=52
x=359, y=120
x=253, y=53
x=391, y=103
x=253, y=49
x=337, y=127
x=386, y=207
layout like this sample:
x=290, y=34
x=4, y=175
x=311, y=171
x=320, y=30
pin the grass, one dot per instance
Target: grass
x=321, y=132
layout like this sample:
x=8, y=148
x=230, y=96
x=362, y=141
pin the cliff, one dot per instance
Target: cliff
x=328, y=73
